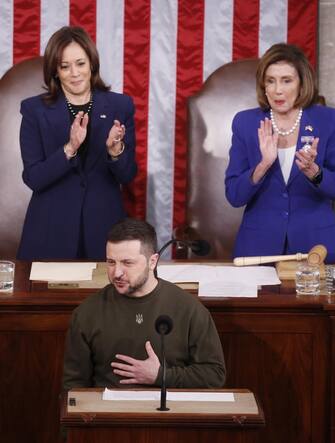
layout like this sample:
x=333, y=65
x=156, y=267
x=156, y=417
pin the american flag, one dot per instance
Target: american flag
x=160, y=52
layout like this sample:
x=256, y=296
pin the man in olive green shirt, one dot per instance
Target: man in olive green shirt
x=112, y=339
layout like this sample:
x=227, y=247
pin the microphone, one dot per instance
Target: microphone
x=198, y=247
x=163, y=326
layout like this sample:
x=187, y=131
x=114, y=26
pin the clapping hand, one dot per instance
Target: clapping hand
x=77, y=134
x=268, y=145
x=268, y=142
x=305, y=159
x=115, y=137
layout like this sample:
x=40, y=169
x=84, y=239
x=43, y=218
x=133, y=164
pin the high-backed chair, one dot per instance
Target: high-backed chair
x=230, y=89
x=23, y=80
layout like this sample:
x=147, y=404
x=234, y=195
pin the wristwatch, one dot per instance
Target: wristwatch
x=317, y=179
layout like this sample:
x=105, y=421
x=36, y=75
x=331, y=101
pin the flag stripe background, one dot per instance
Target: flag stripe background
x=53, y=16
x=26, y=32
x=303, y=14
x=6, y=36
x=161, y=119
x=160, y=52
x=246, y=29
x=110, y=42
x=189, y=79
x=83, y=13
x=219, y=17
x=272, y=23
x=136, y=84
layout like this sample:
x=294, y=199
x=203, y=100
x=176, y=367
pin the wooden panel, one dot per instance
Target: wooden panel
x=162, y=435
x=279, y=346
x=30, y=374
x=332, y=380
x=278, y=357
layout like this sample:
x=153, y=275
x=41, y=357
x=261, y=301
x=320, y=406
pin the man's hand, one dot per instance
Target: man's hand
x=143, y=372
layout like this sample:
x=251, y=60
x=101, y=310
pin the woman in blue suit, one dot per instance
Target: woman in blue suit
x=78, y=149
x=282, y=161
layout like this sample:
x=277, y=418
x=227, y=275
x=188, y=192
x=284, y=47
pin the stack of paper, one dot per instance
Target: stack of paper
x=219, y=280
x=61, y=272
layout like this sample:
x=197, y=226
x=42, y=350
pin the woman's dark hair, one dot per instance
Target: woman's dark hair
x=53, y=54
x=293, y=55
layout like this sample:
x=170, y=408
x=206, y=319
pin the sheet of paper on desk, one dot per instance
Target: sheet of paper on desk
x=200, y=396
x=253, y=275
x=223, y=289
x=62, y=271
x=120, y=395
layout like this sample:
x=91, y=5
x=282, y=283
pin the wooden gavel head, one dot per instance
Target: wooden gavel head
x=317, y=255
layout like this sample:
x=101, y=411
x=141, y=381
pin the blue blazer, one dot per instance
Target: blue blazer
x=64, y=193
x=297, y=211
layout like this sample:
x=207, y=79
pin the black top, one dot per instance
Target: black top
x=82, y=151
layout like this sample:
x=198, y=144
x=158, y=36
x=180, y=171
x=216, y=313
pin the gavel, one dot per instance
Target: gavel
x=316, y=256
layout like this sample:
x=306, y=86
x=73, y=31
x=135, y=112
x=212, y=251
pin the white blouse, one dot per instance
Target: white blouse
x=286, y=158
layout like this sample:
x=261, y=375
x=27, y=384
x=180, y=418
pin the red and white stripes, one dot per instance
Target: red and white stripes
x=160, y=52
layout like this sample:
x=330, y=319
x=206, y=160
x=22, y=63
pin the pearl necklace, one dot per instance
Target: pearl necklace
x=73, y=112
x=289, y=131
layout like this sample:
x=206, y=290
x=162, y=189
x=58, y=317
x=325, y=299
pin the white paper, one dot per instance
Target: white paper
x=234, y=275
x=61, y=272
x=222, y=289
x=200, y=396
x=120, y=395
x=130, y=395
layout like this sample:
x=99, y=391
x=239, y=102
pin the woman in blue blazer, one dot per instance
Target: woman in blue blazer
x=282, y=161
x=78, y=149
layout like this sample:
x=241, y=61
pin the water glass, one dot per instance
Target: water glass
x=7, y=269
x=307, y=279
x=330, y=279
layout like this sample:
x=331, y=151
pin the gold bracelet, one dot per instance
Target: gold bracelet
x=69, y=155
x=120, y=152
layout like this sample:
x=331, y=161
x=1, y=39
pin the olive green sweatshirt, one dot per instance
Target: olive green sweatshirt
x=109, y=323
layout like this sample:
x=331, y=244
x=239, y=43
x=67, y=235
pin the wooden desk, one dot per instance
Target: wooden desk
x=279, y=346
x=94, y=420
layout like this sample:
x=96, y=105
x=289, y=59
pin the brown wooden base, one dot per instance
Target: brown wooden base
x=280, y=346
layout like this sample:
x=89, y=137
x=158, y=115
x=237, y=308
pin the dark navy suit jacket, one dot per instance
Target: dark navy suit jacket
x=297, y=211
x=65, y=193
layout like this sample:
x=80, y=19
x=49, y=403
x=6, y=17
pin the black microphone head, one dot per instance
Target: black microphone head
x=200, y=247
x=163, y=324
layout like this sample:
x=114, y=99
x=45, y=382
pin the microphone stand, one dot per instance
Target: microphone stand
x=162, y=249
x=163, y=387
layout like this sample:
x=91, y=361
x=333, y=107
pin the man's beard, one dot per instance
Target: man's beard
x=138, y=284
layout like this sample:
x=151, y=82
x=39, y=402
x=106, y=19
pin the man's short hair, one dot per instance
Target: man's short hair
x=133, y=229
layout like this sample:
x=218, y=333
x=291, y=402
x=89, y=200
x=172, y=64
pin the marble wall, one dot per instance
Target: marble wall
x=326, y=62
